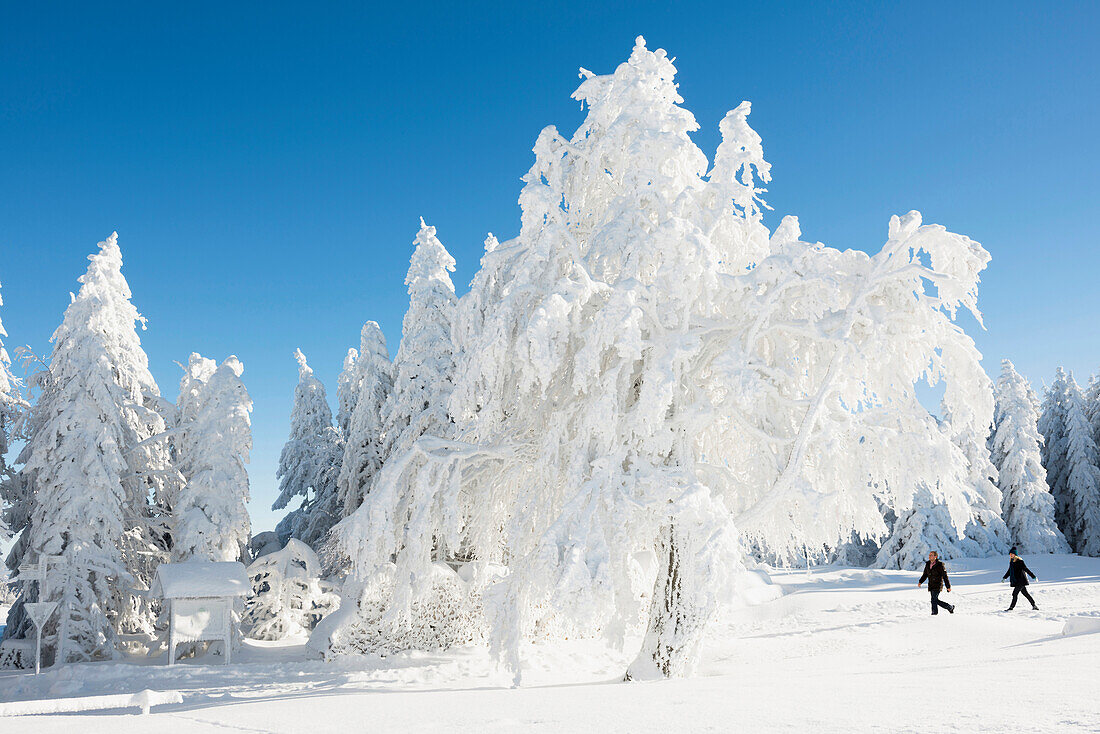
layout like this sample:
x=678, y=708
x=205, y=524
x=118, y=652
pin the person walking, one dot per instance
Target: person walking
x=936, y=575
x=1017, y=574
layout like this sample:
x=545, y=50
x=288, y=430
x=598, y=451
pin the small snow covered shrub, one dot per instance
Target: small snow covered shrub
x=448, y=614
x=290, y=598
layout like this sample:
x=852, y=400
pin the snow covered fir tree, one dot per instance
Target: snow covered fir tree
x=210, y=520
x=644, y=399
x=112, y=479
x=366, y=385
x=1026, y=502
x=1072, y=461
x=309, y=464
x=89, y=469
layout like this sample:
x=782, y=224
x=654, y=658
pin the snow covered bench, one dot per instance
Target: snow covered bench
x=200, y=595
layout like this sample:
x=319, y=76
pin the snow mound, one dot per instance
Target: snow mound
x=1081, y=626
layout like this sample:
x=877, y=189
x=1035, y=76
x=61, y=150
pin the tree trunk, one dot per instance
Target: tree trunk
x=676, y=620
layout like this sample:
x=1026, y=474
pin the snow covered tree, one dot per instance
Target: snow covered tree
x=364, y=451
x=210, y=518
x=11, y=402
x=90, y=466
x=1083, y=478
x=289, y=596
x=926, y=526
x=423, y=369
x=1026, y=502
x=1052, y=425
x=1092, y=406
x=309, y=464
x=12, y=405
x=196, y=374
x=929, y=526
x=657, y=371
x=986, y=533
x=347, y=392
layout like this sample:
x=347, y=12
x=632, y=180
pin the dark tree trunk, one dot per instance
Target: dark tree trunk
x=676, y=623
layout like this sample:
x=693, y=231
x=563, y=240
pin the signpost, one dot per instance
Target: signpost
x=40, y=611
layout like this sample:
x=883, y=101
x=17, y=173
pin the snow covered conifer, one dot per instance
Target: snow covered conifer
x=986, y=533
x=1092, y=406
x=1052, y=425
x=347, y=392
x=1026, y=502
x=363, y=451
x=423, y=369
x=91, y=473
x=12, y=406
x=210, y=518
x=929, y=526
x=926, y=526
x=11, y=403
x=1083, y=479
x=310, y=462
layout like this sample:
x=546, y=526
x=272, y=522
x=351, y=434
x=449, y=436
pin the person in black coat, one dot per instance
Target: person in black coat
x=1017, y=574
x=936, y=575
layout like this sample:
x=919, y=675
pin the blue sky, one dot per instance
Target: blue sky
x=265, y=164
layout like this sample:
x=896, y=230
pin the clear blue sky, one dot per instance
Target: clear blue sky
x=265, y=164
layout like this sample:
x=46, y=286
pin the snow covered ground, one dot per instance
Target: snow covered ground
x=845, y=650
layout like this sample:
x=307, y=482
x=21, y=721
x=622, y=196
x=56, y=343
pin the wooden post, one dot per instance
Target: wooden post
x=171, y=632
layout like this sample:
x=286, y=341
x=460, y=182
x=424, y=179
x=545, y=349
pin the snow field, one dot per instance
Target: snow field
x=843, y=650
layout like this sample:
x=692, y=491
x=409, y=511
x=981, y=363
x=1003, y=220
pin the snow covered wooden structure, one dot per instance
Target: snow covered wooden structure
x=200, y=595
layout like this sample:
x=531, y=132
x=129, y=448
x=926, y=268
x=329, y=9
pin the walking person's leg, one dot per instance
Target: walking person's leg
x=1015, y=596
x=1023, y=590
x=937, y=603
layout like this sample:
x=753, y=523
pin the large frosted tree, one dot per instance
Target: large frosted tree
x=309, y=464
x=364, y=451
x=91, y=466
x=210, y=520
x=657, y=371
x=1026, y=503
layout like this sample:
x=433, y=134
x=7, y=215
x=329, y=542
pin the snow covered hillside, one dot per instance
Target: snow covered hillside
x=843, y=650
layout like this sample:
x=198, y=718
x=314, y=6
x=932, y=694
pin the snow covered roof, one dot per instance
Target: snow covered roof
x=201, y=578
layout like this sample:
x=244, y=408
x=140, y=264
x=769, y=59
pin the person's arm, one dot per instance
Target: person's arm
x=924, y=575
x=1028, y=570
x=946, y=581
x=1008, y=571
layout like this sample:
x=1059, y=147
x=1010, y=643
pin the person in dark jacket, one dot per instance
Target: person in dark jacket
x=1017, y=574
x=936, y=575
